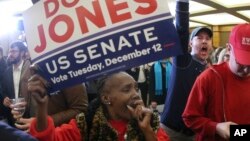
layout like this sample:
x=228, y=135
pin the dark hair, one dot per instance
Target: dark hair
x=101, y=81
x=95, y=103
x=19, y=45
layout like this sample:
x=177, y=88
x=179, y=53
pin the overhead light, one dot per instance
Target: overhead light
x=196, y=7
x=245, y=13
x=232, y=3
x=10, y=8
x=218, y=19
x=194, y=24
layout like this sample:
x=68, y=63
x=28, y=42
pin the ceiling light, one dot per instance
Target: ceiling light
x=232, y=3
x=245, y=13
x=218, y=19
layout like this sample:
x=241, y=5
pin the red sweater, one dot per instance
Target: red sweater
x=70, y=132
x=217, y=96
x=66, y=132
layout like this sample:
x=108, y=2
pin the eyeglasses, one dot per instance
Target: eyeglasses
x=14, y=51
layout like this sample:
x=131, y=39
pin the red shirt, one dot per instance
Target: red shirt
x=121, y=128
x=66, y=132
x=217, y=96
x=70, y=131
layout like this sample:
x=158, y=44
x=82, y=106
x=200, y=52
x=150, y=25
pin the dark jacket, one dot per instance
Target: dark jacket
x=2, y=107
x=8, y=133
x=184, y=72
x=9, y=91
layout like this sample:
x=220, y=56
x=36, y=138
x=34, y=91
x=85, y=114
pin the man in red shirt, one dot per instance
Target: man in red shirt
x=220, y=96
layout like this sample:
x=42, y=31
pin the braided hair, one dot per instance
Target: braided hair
x=96, y=103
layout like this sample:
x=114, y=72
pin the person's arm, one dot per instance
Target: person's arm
x=195, y=114
x=65, y=132
x=77, y=102
x=43, y=126
x=161, y=135
x=144, y=117
x=182, y=27
x=5, y=87
x=37, y=88
x=182, y=23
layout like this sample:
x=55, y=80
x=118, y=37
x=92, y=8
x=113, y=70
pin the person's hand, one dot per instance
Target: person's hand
x=37, y=88
x=142, y=114
x=6, y=102
x=223, y=129
x=17, y=114
x=21, y=123
x=24, y=124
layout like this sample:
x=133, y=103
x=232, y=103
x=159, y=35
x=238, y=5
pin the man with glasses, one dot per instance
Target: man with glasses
x=220, y=96
x=16, y=77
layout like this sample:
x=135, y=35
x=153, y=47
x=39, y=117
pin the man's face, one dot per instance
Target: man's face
x=237, y=68
x=201, y=45
x=14, y=55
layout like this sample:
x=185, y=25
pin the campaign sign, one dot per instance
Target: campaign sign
x=79, y=40
x=239, y=132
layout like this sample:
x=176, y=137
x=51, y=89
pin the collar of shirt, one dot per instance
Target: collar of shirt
x=198, y=60
x=19, y=68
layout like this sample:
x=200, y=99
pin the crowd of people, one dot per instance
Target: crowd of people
x=193, y=96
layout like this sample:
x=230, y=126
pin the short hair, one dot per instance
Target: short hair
x=101, y=81
x=19, y=45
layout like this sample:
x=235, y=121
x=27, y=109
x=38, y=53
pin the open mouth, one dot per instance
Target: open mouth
x=132, y=102
x=204, y=49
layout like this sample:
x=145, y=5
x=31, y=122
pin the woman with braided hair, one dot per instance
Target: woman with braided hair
x=118, y=114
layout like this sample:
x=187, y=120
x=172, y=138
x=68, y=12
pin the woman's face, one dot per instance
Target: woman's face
x=120, y=90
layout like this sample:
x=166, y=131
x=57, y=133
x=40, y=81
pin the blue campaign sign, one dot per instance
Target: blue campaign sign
x=79, y=42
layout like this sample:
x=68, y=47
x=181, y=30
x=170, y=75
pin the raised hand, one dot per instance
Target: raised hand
x=37, y=86
x=143, y=116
